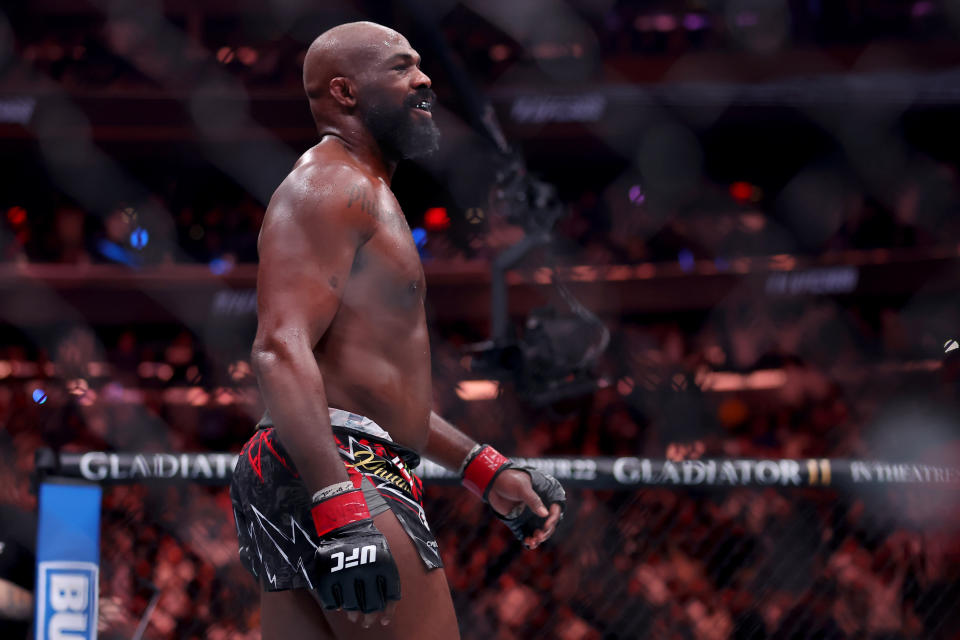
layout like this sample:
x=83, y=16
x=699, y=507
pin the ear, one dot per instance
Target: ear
x=343, y=91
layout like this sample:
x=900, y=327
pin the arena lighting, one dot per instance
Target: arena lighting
x=98, y=369
x=225, y=55
x=114, y=252
x=686, y=260
x=695, y=22
x=39, y=396
x=238, y=370
x=24, y=369
x=470, y=390
x=220, y=266
x=139, y=238
x=742, y=191
x=664, y=22
x=636, y=195
x=499, y=52
x=247, y=56
x=726, y=381
x=16, y=216
x=419, y=237
x=436, y=219
x=77, y=387
x=17, y=110
x=197, y=396
x=922, y=8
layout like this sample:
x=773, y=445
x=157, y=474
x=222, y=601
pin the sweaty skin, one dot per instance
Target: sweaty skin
x=373, y=354
x=341, y=323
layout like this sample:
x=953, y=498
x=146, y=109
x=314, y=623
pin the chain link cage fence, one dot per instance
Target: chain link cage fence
x=741, y=231
x=648, y=549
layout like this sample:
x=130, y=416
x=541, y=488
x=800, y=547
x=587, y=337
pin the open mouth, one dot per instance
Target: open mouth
x=424, y=105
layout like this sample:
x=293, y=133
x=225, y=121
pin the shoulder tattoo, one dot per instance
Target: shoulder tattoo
x=362, y=197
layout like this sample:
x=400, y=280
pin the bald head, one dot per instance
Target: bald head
x=364, y=83
x=346, y=50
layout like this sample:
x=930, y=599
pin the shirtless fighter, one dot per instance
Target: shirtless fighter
x=329, y=514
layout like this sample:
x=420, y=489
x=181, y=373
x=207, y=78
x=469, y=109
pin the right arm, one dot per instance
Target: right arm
x=307, y=246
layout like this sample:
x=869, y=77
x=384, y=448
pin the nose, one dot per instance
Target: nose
x=420, y=80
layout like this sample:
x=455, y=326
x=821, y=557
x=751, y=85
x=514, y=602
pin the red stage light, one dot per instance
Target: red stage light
x=436, y=219
x=741, y=191
x=16, y=215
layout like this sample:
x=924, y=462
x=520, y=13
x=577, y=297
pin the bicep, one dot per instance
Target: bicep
x=305, y=260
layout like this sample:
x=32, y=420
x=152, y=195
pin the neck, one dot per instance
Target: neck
x=360, y=144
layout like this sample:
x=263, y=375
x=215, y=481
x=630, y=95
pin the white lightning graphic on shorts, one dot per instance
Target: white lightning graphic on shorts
x=294, y=545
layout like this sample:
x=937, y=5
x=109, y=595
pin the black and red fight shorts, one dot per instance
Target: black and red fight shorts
x=271, y=505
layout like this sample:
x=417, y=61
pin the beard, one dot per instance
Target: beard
x=400, y=133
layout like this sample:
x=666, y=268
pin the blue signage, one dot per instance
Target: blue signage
x=68, y=558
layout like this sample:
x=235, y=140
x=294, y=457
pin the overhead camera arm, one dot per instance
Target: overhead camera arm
x=526, y=201
x=506, y=260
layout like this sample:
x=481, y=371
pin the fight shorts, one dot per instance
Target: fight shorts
x=271, y=505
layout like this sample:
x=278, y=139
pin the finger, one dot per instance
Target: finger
x=535, y=503
x=388, y=612
x=543, y=534
x=547, y=534
x=549, y=526
x=368, y=620
x=554, y=518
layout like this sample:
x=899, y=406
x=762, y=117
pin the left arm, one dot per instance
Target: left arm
x=447, y=445
x=510, y=490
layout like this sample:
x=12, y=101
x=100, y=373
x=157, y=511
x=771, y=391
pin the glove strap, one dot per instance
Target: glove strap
x=482, y=469
x=339, y=511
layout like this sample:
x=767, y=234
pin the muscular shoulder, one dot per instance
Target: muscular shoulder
x=322, y=195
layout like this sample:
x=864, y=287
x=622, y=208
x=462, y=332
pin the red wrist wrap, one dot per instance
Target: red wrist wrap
x=482, y=469
x=338, y=511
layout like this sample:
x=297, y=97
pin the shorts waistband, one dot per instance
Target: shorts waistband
x=341, y=418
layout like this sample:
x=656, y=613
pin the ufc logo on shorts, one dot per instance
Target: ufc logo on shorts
x=360, y=555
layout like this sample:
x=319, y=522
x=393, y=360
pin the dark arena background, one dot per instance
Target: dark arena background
x=699, y=259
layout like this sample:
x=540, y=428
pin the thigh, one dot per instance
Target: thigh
x=425, y=610
x=286, y=615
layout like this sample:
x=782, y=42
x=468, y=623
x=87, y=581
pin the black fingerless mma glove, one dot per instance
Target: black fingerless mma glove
x=355, y=568
x=482, y=469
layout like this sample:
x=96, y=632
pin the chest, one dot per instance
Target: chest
x=387, y=267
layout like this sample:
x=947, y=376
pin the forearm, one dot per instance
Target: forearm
x=292, y=388
x=447, y=445
x=16, y=603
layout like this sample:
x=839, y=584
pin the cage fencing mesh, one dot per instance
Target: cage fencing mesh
x=666, y=563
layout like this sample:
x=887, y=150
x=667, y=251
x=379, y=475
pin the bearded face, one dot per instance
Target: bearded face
x=405, y=130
